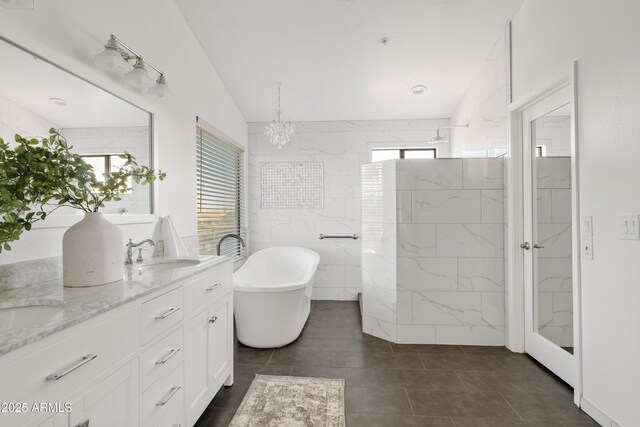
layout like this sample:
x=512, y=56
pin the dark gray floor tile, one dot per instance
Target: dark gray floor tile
x=231, y=397
x=519, y=361
x=383, y=360
x=459, y=362
x=404, y=378
x=302, y=357
x=365, y=400
x=335, y=305
x=508, y=381
x=496, y=422
x=580, y=423
x=246, y=373
x=486, y=349
x=544, y=406
x=216, y=417
x=478, y=404
x=252, y=356
x=332, y=332
x=322, y=372
x=377, y=420
x=427, y=348
x=332, y=344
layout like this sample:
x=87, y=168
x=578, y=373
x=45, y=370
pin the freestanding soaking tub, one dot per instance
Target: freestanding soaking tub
x=272, y=295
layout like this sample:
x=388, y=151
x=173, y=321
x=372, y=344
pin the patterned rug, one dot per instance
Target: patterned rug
x=274, y=401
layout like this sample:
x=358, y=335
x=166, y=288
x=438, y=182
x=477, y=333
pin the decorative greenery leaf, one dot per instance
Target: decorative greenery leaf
x=39, y=174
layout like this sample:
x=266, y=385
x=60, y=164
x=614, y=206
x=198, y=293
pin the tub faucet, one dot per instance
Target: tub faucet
x=132, y=245
x=235, y=236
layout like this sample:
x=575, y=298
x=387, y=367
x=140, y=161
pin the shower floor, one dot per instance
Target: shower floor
x=407, y=385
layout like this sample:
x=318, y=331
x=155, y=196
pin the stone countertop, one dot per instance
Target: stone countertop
x=79, y=304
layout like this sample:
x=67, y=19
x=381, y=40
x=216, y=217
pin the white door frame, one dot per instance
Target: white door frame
x=515, y=221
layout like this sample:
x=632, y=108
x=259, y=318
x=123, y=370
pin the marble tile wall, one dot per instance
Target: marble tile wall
x=436, y=251
x=343, y=147
x=555, y=298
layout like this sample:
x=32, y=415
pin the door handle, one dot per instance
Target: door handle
x=537, y=246
x=526, y=246
x=213, y=319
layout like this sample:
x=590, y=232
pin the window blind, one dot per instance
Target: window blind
x=221, y=201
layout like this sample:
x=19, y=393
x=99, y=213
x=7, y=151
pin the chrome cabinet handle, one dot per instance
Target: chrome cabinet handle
x=177, y=425
x=86, y=359
x=213, y=319
x=167, y=313
x=537, y=246
x=526, y=246
x=214, y=287
x=169, y=355
x=168, y=396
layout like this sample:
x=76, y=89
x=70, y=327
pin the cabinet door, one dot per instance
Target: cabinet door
x=197, y=367
x=113, y=402
x=221, y=331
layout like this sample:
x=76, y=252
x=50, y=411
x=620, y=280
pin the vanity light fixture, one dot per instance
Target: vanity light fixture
x=279, y=131
x=117, y=56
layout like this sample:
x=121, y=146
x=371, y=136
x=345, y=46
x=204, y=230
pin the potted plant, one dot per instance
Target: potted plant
x=38, y=176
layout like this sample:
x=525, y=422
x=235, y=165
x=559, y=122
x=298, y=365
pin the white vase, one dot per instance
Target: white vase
x=92, y=252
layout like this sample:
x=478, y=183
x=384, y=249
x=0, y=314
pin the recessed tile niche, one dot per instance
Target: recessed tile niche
x=292, y=185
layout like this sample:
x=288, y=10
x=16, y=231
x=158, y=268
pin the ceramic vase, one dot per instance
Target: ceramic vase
x=92, y=252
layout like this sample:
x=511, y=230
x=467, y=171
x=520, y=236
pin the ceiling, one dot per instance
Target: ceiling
x=330, y=58
x=30, y=82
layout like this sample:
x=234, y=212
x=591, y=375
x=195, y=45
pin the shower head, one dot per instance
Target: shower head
x=440, y=138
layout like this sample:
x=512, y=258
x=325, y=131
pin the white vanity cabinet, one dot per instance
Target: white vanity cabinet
x=155, y=361
x=208, y=339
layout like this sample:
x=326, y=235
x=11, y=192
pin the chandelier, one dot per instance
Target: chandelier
x=279, y=131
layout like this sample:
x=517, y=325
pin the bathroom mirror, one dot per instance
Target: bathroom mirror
x=551, y=143
x=36, y=95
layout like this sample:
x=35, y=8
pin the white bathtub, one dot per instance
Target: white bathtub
x=272, y=295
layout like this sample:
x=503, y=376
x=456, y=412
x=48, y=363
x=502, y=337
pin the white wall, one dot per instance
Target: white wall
x=343, y=147
x=70, y=32
x=484, y=108
x=603, y=37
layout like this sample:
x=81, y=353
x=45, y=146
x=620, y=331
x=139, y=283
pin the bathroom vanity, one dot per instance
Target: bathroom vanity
x=150, y=350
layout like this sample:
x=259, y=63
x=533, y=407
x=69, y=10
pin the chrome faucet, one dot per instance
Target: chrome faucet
x=236, y=236
x=132, y=245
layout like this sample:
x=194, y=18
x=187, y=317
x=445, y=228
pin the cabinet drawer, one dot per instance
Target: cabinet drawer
x=162, y=396
x=162, y=358
x=173, y=415
x=60, y=369
x=204, y=288
x=161, y=313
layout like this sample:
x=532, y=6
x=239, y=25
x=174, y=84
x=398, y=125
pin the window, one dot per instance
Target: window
x=105, y=162
x=220, y=192
x=380, y=154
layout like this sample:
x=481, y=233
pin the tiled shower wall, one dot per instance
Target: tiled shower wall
x=433, y=251
x=343, y=147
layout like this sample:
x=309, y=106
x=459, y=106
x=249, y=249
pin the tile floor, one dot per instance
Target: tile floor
x=407, y=385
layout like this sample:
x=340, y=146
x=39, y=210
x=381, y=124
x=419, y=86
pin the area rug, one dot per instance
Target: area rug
x=276, y=401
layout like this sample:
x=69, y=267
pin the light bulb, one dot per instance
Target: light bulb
x=111, y=58
x=161, y=88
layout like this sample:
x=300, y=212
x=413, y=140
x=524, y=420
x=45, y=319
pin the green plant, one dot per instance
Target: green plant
x=38, y=176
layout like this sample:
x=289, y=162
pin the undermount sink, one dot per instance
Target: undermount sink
x=17, y=317
x=170, y=265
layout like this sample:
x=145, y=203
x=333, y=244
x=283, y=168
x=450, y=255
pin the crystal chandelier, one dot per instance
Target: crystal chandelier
x=279, y=131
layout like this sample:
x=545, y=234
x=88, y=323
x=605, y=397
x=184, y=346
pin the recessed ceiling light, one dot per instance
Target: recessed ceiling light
x=418, y=89
x=58, y=101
